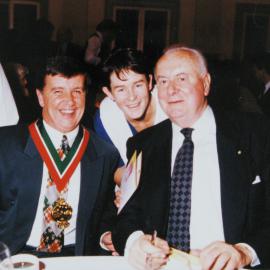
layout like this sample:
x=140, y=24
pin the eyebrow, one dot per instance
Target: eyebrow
x=139, y=81
x=57, y=87
x=161, y=76
x=181, y=73
x=122, y=85
x=117, y=86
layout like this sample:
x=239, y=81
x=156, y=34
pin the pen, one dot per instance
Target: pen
x=154, y=237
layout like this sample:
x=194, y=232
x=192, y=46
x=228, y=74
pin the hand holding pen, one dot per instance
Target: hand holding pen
x=154, y=238
x=159, y=253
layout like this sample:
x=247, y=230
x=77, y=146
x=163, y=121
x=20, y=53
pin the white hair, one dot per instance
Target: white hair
x=195, y=54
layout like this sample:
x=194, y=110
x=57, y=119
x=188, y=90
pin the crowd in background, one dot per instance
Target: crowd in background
x=236, y=85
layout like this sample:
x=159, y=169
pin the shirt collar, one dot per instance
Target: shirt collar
x=204, y=125
x=56, y=136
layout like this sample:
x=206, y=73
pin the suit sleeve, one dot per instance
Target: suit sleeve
x=258, y=218
x=104, y=213
x=110, y=210
x=129, y=219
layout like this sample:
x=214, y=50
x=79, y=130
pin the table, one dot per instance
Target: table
x=86, y=263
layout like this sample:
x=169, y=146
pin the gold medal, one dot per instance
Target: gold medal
x=61, y=213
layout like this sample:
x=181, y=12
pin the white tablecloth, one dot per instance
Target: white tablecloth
x=86, y=263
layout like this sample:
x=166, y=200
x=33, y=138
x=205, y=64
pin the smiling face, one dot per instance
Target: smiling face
x=131, y=92
x=182, y=87
x=63, y=101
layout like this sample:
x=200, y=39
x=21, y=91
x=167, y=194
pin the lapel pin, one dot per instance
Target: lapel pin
x=239, y=152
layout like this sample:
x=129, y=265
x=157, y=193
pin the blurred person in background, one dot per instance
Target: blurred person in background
x=8, y=110
x=17, y=75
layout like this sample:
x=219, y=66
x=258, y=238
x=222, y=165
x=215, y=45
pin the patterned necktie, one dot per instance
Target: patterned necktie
x=64, y=148
x=52, y=239
x=178, y=234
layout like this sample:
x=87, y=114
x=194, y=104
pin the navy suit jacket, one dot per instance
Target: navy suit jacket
x=21, y=169
x=243, y=144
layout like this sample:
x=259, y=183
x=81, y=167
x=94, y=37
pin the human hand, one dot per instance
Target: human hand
x=107, y=242
x=144, y=255
x=117, y=199
x=118, y=175
x=220, y=255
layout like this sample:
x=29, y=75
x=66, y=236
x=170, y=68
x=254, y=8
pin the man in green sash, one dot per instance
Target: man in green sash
x=56, y=177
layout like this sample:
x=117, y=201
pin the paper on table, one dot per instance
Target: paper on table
x=183, y=260
x=187, y=261
x=130, y=179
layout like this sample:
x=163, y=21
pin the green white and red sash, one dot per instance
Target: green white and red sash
x=60, y=171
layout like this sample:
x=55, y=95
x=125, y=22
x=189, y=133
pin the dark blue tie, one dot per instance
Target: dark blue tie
x=178, y=234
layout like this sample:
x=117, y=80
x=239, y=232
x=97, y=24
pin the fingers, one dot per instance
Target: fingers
x=107, y=241
x=195, y=252
x=144, y=255
x=161, y=246
x=220, y=255
x=118, y=175
x=117, y=202
x=114, y=253
x=107, y=238
x=117, y=198
x=153, y=262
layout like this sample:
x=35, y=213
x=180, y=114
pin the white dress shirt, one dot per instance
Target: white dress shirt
x=72, y=196
x=206, y=223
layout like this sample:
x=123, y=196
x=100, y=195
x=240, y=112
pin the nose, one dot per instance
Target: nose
x=69, y=97
x=131, y=94
x=173, y=87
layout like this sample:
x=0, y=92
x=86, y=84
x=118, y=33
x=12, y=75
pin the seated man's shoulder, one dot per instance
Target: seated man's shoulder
x=13, y=133
x=241, y=119
x=13, y=139
x=244, y=124
x=157, y=132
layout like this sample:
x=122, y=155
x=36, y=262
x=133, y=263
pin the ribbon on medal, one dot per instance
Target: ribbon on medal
x=60, y=171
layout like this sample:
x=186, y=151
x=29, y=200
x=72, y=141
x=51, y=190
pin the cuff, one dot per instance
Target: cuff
x=131, y=239
x=255, y=259
x=101, y=243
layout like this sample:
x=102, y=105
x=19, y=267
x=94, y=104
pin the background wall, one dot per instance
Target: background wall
x=207, y=24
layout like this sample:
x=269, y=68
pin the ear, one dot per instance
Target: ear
x=107, y=92
x=206, y=84
x=150, y=83
x=40, y=97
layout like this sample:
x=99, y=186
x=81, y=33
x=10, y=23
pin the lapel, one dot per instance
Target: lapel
x=91, y=175
x=29, y=174
x=156, y=171
x=36, y=165
x=232, y=178
x=166, y=164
